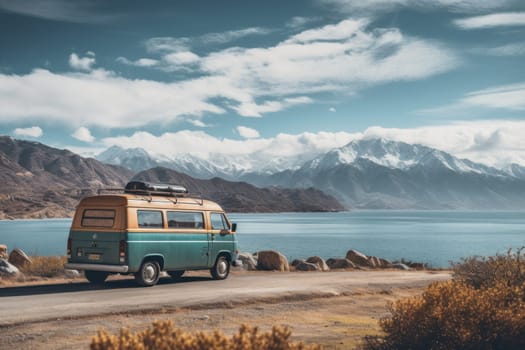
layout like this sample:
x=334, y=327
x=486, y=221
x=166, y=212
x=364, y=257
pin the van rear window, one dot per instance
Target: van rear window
x=98, y=218
x=185, y=219
x=149, y=218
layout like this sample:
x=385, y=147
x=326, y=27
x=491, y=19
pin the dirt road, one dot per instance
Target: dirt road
x=23, y=305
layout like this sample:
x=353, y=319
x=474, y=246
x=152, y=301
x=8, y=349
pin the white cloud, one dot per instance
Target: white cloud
x=141, y=62
x=248, y=133
x=231, y=35
x=513, y=49
x=101, y=98
x=181, y=58
x=167, y=44
x=197, y=123
x=33, y=131
x=360, y=7
x=252, y=109
x=82, y=63
x=492, y=142
x=83, y=134
x=493, y=20
x=332, y=109
x=507, y=97
x=510, y=97
x=299, y=22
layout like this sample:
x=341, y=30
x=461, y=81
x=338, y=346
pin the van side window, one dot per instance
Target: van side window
x=218, y=222
x=185, y=219
x=98, y=218
x=149, y=218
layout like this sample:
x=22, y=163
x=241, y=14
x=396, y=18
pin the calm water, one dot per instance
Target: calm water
x=434, y=237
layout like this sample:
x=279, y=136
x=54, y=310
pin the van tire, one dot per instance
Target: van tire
x=176, y=274
x=221, y=269
x=96, y=277
x=148, y=274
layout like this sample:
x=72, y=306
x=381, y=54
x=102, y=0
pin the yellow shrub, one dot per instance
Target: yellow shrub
x=473, y=311
x=45, y=266
x=162, y=335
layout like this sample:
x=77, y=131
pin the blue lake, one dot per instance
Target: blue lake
x=434, y=237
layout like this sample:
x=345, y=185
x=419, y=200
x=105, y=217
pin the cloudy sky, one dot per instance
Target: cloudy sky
x=279, y=77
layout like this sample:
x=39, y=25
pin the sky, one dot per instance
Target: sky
x=271, y=77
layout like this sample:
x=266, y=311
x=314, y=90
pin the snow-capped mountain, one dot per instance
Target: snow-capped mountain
x=378, y=173
x=217, y=165
x=397, y=155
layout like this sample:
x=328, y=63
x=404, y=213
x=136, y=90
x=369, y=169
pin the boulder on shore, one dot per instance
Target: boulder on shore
x=317, y=260
x=7, y=269
x=3, y=251
x=358, y=258
x=296, y=262
x=340, y=263
x=19, y=258
x=307, y=266
x=271, y=260
x=248, y=261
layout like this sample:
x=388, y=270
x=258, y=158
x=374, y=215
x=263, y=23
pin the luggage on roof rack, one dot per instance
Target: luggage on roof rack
x=150, y=188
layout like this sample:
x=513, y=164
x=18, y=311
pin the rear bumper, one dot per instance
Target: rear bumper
x=97, y=267
x=237, y=263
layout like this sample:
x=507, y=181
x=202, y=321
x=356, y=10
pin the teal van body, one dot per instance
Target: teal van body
x=146, y=232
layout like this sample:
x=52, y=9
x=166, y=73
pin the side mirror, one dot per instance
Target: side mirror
x=234, y=227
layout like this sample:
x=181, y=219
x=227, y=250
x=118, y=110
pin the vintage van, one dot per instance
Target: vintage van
x=148, y=228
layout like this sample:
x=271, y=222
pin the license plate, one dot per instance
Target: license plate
x=93, y=256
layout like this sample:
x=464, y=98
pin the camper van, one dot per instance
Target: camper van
x=148, y=228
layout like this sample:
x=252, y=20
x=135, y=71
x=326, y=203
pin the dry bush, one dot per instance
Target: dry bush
x=162, y=335
x=45, y=266
x=485, y=272
x=483, y=307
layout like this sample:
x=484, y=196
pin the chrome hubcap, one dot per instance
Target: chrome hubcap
x=149, y=273
x=222, y=267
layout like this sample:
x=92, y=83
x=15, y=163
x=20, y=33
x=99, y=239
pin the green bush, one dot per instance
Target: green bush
x=162, y=335
x=482, y=307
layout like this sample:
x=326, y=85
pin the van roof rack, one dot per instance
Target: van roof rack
x=141, y=187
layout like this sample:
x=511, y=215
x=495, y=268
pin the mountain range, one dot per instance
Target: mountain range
x=38, y=181
x=368, y=174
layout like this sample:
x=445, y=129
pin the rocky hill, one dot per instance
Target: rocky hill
x=243, y=197
x=39, y=181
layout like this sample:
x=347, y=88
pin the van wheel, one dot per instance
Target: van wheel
x=148, y=274
x=96, y=277
x=221, y=269
x=176, y=274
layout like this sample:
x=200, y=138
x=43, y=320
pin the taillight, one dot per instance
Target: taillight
x=69, y=248
x=122, y=250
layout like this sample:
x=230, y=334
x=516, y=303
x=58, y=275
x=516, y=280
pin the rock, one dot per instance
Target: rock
x=306, y=266
x=248, y=261
x=400, y=266
x=19, y=258
x=385, y=263
x=3, y=251
x=339, y=263
x=319, y=262
x=374, y=261
x=417, y=266
x=7, y=269
x=71, y=273
x=272, y=260
x=358, y=258
x=296, y=262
